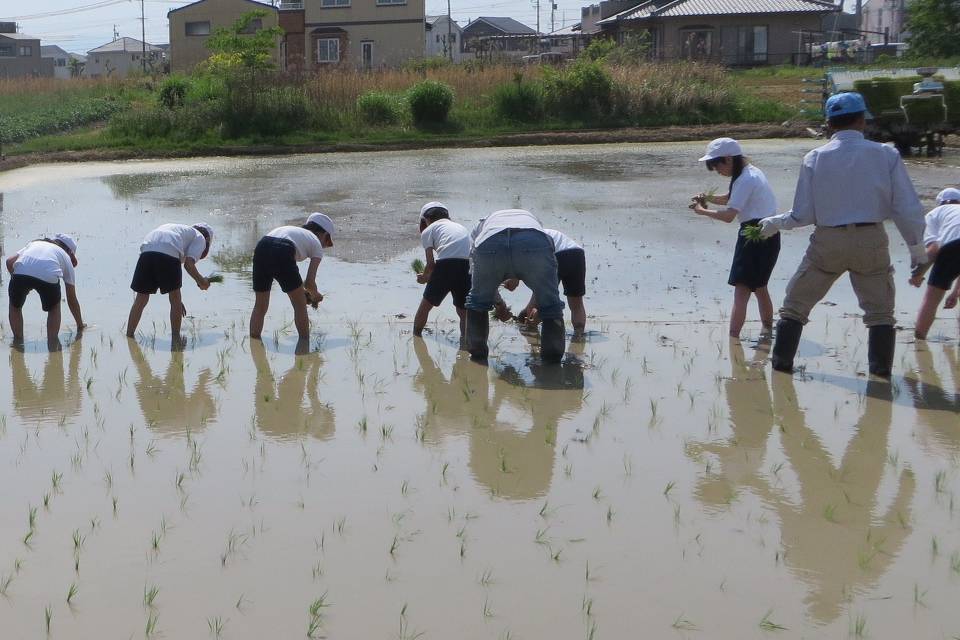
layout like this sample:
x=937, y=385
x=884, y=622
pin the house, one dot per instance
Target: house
x=884, y=20
x=443, y=38
x=64, y=66
x=498, y=37
x=192, y=24
x=730, y=32
x=594, y=13
x=568, y=41
x=20, y=55
x=359, y=34
x=123, y=56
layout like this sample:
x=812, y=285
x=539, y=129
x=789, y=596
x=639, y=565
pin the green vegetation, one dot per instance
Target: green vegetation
x=934, y=27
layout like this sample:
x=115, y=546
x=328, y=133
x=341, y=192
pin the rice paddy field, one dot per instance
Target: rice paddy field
x=662, y=482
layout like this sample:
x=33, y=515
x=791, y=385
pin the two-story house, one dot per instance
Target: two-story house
x=64, y=66
x=191, y=26
x=443, y=38
x=362, y=34
x=20, y=56
x=123, y=56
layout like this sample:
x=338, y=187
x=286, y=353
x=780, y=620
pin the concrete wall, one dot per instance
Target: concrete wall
x=122, y=63
x=18, y=66
x=187, y=51
x=396, y=32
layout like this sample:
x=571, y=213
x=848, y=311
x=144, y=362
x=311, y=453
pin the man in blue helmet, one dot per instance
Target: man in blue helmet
x=847, y=188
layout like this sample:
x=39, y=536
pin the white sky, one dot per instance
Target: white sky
x=82, y=30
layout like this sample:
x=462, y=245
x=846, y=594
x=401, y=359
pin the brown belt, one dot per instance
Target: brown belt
x=854, y=224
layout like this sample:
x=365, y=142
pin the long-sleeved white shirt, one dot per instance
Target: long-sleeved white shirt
x=851, y=179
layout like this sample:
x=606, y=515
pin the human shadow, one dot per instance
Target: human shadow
x=165, y=403
x=832, y=538
x=290, y=407
x=57, y=395
x=937, y=408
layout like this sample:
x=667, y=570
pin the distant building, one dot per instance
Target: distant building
x=191, y=26
x=123, y=56
x=886, y=18
x=499, y=37
x=443, y=38
x=20, y=55
x=568, y=41
x=594, y=13
x=62, y=61
x=362, y=34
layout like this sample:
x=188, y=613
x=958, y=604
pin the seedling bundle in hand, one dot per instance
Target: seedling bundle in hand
x=418, y=266
x=753, y=233
x=215, y=278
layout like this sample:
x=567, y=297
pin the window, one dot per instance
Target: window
x=26, y=51
x=438, y=37
x=328, y=50
x=197, y=28
x=6, y=50
x=697, y=44
x=61, y=62
x=453, y=37
x=255, y=25
x=752, y=44
x=381, y=3
x=334, y=3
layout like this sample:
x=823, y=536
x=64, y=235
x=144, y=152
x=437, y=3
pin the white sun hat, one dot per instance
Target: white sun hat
x=947, y=195
x=207, y=229
x=721, y=148
x=431, y=205
x=67, y=241
x=323, y=221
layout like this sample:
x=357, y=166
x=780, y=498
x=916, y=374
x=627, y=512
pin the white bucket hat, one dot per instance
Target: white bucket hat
x=323, y=221
x=432, y=205
x=721, y=148
x=947, y=195
x=207, y=229
x=67, y=241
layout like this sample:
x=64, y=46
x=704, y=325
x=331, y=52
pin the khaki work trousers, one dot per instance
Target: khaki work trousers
x=864, y=252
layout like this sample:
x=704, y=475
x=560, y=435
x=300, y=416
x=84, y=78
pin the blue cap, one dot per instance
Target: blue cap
x=841, y=104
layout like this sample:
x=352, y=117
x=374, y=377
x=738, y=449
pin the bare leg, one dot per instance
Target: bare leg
x=953, y=297
x=578, y=314
x=16, y=324
x=462, y=313
x=53, y=323
x=420, y=320
x=136, y=312
x=259, y=312
x=741, y=296
x=928, y=311
x=765, y=306
x=176, y=312
x=298, y=298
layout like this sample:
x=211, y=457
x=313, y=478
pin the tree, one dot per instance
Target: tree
x=244, y=43
x=934, y=27
x=76, y=67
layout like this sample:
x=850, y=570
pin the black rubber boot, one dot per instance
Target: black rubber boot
x=553, y=340
x=883, y=341
x=478, y=329
x=786, y=344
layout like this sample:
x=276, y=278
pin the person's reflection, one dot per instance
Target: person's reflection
x=279, y=406
x=833, y=537
x=447, y=399
x=751, y=417
x=59, y=394
x=165, y=403
x=937, y=407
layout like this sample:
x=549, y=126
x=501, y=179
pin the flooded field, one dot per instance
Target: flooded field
x=660, y=483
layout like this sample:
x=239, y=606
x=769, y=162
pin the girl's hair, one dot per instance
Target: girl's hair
x=437, y=213
x=739, y=162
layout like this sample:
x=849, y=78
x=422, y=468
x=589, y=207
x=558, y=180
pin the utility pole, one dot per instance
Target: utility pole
x=553, y=16
x=143, y=36
x=449, y=32
x=537, y=2
x=116, y=34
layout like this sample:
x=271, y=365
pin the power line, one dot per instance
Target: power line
x=64, y=12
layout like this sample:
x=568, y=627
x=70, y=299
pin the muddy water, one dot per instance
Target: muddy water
x=660, y=480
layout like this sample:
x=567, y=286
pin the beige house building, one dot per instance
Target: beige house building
x=20, y=57
x=120, y=58
x=191, y=26
x=360, y=34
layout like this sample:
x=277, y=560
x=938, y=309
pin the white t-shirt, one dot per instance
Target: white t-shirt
x=943, y=225
x=561, y=241
x=752, y=196
x=448, y=239
x=306, y=242
x=501, y=221
x=44, y=261
x=180, y=241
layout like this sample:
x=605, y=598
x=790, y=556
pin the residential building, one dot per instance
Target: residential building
x=594, y=13
x=499, y=37
x=443, y=38
x=731, y=32
x=192, y=24
x=568, y=41
x=360, y=34
x=884, y=20
x=20, y=55
x=123, y=56
x=63, y=65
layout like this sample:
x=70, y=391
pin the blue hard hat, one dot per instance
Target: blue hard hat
x=841, y=104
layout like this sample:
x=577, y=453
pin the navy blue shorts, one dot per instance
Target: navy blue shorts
x=449, y=276
x=21, y=285
x=155, y=271
x=946, y=267
x=275, y=259
x=572, y=272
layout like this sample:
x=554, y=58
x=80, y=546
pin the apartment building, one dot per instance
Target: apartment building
x=191, y=26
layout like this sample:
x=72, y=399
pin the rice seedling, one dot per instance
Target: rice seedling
x=669, y=488
x=5, y=582
x=72, y=592
x=55, y=480
x=592, y=630
x=114, y=502
x=78, y=540
x=769, y=625
x=940, y=481
x=46, y=501
x=418, y=266
x=485, y=579
x=216, y=626
x=32, y=518
x=955, y=562
x=934, y=547
x=487, y=609
x=918, y=595
x=47, y=617
x=610, y=514
x=150, y=595
x=830, y=513
x=683, y=624
x=597, y=494
x=215, y=278
x=27, y=538
x=150, y=629
x=859, y=627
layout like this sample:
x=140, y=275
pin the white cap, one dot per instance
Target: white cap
x=721, y=148
x=207, y=229
x=323, y=221
x=67, y=241
x=947, y=195
x=432, y=205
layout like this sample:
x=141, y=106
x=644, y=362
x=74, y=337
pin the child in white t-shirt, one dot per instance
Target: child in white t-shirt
x=39, y=267
x=447, y=247
x=942, y=239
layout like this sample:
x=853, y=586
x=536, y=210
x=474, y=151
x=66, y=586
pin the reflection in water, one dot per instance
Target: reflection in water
x=165, y=403
x=279, y=406
x=512, y=459
x=59, y=394
x=832, y=538
x=936, y=406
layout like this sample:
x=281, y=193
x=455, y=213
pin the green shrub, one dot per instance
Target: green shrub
x=61, y=115
x=422, y=65
x=380, y=108
x=599, y=49
x=263, y=109
x=430, y=102
x=173, y=92
x=584, y=90
x=519, y=101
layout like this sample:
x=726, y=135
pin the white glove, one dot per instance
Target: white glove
x=770, y=227
x=918, y=255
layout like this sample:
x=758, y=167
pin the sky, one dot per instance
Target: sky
x=81, y=25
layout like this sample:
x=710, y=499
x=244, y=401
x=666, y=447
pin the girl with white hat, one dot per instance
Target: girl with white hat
x=942, y=240
x=447, y=247
x=748, y=200
x=39, y=267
